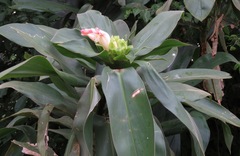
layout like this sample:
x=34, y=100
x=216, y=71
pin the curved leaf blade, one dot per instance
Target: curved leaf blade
x=207, y=61
x=93, y=19
x=201, y=121
x=40, y=66
x=166, y=96
x=82, y=123
x=183, y=75
x=152, y=35
x=184, y=91
x=213, y=109
x=236, y=4
x=43, y=6
x=199, y=8
x=129, y=112
x=42, y=135
x=104, y=144
x=42, y=94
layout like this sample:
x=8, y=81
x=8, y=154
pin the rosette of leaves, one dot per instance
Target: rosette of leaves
x=109, y=109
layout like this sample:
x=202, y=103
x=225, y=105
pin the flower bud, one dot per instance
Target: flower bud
x=98, y=36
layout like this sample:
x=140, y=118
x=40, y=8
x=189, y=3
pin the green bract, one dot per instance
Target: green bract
x=118, y=48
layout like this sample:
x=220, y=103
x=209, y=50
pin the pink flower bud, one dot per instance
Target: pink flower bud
x=98, y=36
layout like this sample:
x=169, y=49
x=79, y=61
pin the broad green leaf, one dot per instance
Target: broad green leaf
x=202, y=124
x=82, y=123
x=20, y=103
x=183, y=75
x=122, y=29
x=27, y=112
x=184, y=91
x=28, y=131
x=228, y=137
x=11, y=32
x=70, y=43
x=236, y=4
x=38, y=37
x=42, y=94
x=93, y=19
x=130, y=113
x=66, y=35
x=43, y=6
x=164, y=48
x=161, y=144
x=162, y=62
x=200, y=9
x=213, y=109
x=153, y=35
x=40, y=66
x=164, y=7
x=42, y=135
x=167, y=98
x=77, y=48
x=6, y=131
x=104, y=144
x=183, y=58
x=207, y=61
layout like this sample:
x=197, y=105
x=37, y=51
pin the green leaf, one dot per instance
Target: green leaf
x=93, y=19
x=162, y=62
x=213, y=109
x=42, y=94
x=153, y=35
x=70, y=43
x=12, y=32
x=43, y=6
x=200, y=9
x=6, y=131
x=38, y=37
x=236, y=4
x=122, y=29
x=42, y=135
x=164, y=7
x=164, y=48
x=20, y=103
x=28, y=131
x=104, y=144
x=201, y=121
x=228, y=137
x=166, y=96
x=130, y=113
x=208, y=61
x=161, y=144
x=77, y=48
x=66, y=35
x=184, y=91
x=183, y=58
x=82, y=123
x=40, y=66
x=183, y=75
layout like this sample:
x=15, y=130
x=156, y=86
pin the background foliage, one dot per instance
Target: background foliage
x=212, y=30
